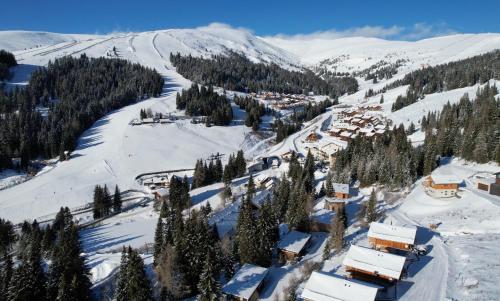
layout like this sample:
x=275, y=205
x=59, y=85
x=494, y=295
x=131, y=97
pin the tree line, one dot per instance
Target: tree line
x=7, y=60
x=104, y=204
x=235, y=72
x=48, y=265
x=469, y=129
x=254, y=110
x=205, y=102
x=76, y=92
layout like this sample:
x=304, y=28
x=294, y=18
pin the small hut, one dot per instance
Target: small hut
x=293, y=245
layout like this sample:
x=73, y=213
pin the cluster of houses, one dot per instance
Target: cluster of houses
x=246, y=283
x=368, y=271
x=323, y=150
x=282, y=101
x=363, y=120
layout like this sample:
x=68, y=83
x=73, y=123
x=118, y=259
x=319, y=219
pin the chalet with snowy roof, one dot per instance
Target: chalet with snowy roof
x=441, y=186
x=157, y=182
x=287, y=156
x=328, y=151
x=489, y=184
x=335, y=132
x=341, y=190
x=246, y=283
x=373, y=266
x=386, y=237
x=148, y=121
x=334, y=204
x=353, y=129
x=312, y=137
x=293, y=245
x=161, y=194
x=322, y=287
x=345, y=136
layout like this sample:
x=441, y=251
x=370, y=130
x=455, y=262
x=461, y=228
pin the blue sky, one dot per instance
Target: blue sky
x=387, y=19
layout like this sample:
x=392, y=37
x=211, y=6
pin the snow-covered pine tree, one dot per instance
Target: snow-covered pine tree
x=117, y=200
x=371, y=213
x=209, y=286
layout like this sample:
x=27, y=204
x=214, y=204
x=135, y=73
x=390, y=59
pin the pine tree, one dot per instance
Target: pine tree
x=121, y=290
x=107, y=201
x=329, y=190
x=371, y=213
x=338, y=226
x=98, y=202
x=268, y=234
x=251, y=187
x=241, y=164
x=28, y=279
x=208, y=286
x=117, y=200
x=246, y=233
x=6, y=272
x=158, y=242
x=138, y=286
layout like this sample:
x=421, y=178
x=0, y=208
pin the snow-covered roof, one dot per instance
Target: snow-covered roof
x=345, y=134
x=334, y=200
x=162, y=192
x=294, y=241
x=322, y=287
x=342, y=188
x=393, y=233
x=373, y=261
x=245, y=281
x=445, y=179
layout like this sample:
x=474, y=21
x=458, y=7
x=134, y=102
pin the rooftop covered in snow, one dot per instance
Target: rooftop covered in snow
x=245, y=282
x=372, y=261
x=342, y=188
x=322, y=287
x=393, y=233
x=294, y=241
x=445, y=179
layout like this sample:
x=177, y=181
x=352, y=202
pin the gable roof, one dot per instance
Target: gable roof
x=245, y=282
x=393, y=233
x=445, y=179
x=365, y=259
x=294, y=241
x=321, y=287
x=342, y=188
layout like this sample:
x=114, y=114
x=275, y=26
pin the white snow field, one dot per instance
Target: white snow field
x=461, y=263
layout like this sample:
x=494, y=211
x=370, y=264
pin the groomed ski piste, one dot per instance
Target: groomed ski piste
x=460, y=264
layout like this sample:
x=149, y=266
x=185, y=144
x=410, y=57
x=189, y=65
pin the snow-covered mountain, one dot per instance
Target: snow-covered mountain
x=358, y=53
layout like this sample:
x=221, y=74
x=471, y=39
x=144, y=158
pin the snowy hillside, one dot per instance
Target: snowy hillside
x=358, y=53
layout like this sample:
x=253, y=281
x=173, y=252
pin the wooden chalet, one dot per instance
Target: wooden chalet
x=161, y=194
x=245, y=284
x=373, y=266
x=322, y=287
x=334, y=204
x=293, y=245
x=441, y=186
x=287, y=156
x=341, y=190
x=386, y=237
x=489, y=184
x=312, y=137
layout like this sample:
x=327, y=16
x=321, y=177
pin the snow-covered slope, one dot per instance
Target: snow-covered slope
x=358, y=53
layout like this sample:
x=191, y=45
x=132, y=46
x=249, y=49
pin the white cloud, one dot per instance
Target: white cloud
x=416, y=32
